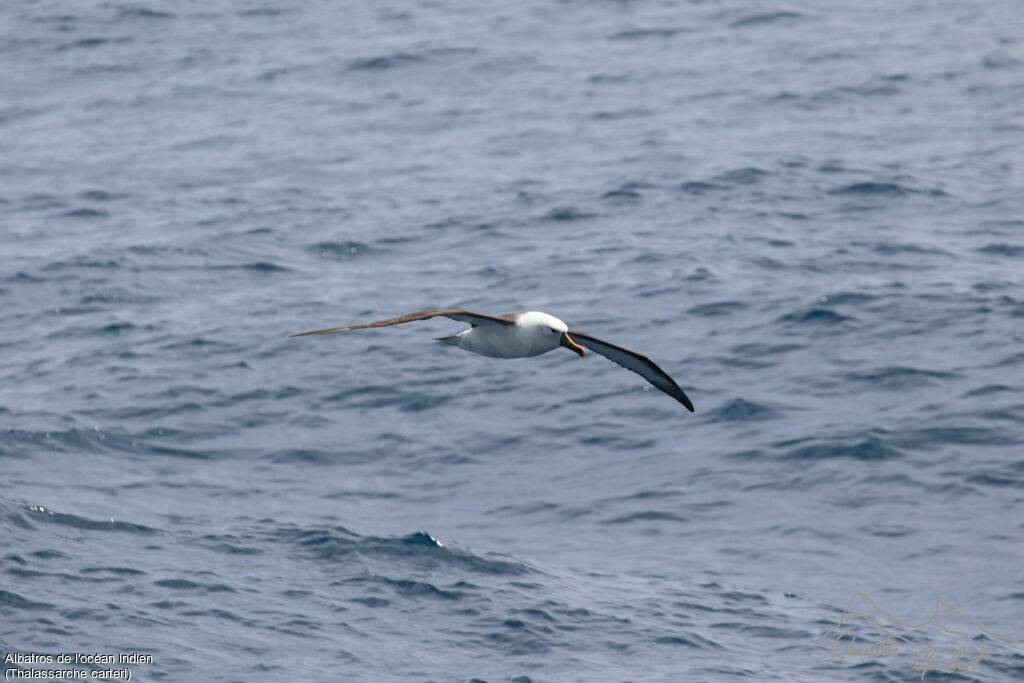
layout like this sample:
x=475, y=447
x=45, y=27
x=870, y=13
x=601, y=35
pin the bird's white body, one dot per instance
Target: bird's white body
x=532, y=334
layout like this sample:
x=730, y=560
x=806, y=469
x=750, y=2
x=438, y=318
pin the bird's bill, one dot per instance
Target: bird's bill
x=571, y=345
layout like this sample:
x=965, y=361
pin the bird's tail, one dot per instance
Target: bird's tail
x=453, y=339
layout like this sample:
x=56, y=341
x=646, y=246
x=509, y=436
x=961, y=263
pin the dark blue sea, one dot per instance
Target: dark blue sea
x=811, y=215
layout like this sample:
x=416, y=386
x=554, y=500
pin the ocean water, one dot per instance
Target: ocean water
x=811, y=215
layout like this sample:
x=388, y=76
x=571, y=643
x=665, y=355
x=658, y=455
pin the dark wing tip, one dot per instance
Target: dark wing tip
x=677, y=393
x=660, y=380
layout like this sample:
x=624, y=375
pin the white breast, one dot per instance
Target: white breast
x=530, y=336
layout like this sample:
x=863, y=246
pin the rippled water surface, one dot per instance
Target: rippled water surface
x=810, y=214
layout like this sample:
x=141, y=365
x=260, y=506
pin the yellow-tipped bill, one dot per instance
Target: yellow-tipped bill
x=571, y=345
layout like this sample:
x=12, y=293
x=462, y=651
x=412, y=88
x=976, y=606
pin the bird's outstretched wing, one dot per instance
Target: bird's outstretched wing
x=459, y=314
x=641, y=365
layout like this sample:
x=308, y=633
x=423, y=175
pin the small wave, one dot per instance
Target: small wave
x=870, y=89
x=717, y=308
x=384, y=62
x=409, y=588
x=277, y=394
x=739, y=410
x=986, y=390
x=339, y=250
x=892, y=248
x=119, y=571
x=18, y=443
x=188, y=342
x=832, y=166
x=116, y=328
x=83, y=262
x=609, y=78
x=762, y=18
x=224, y=614
x=652, y=32
x=869, y=448
x=305, y=456
x=177, y=584
x=1013, y=359
x=112, y=329
x=381, y=396
x=372, y=602
x=883, y=189
x=257, y=266
x=42, y=514
x=647, y=494
x=898, y=377
x=699, y=187
x=646, y=516
x=769, y=263
x=12, y=516
x=567, y=213
x=1000, y=60
x=848, y=298
x=748, y=175
x=41, y=201
x=617, y=114
x=144, y=13
x=265, y=12
x=22, y=277
x=758, y=350
x=523, y=510
x=694, y=641
x=869, y=188
x=85, y=212
x=180, y=390
x=887, y=530
x=87, y=43
x=1009, y=250
x=622, y=196
x=420, y=549
x=187, y=585
x=1000, y=481
x=11, y=600
x=228, y=544
x=817, y=316
x=934, y=437
x=101, y=196
x=25, y=442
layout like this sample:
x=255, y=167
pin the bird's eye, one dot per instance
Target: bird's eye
x=553, y=330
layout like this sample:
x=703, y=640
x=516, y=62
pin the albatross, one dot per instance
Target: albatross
x=520, y=335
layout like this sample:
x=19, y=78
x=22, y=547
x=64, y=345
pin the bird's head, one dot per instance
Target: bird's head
x=553, y=328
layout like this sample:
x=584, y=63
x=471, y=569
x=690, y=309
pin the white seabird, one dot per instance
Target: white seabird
x=519, y=335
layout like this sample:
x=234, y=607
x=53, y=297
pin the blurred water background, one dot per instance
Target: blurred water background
x=810, y=214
